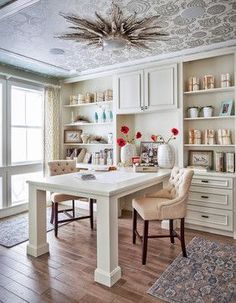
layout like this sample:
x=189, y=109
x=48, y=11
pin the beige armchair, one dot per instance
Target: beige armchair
x=167, y=204
x=60, y=167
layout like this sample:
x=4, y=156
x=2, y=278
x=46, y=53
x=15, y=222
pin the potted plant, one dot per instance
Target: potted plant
x=207, y=111
x=166, y=155
x=193, y=111
x=128, y=149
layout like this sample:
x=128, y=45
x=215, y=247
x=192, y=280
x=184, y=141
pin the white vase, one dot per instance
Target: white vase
x=207, y=112
x=126, y=153
x=166, y=156
x=193, y=112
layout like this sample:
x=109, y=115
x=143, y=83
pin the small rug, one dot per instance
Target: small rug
x=207, y=275
x=14, y=230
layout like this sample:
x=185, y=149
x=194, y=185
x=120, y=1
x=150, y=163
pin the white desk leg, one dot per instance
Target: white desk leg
x=37, y=223
x=108, y=272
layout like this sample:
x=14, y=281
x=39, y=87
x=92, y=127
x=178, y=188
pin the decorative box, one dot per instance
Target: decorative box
x=208, y=82
x=209, y=136
x=230, y=162
x=224, y=136
x=144, y=168
x=108, y=95
x=225, y=80
x=219, y=162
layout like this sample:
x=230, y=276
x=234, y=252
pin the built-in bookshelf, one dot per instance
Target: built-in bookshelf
x=88, y=116
x=208, y=97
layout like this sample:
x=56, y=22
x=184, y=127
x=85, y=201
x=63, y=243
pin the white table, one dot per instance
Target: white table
x=106, y=189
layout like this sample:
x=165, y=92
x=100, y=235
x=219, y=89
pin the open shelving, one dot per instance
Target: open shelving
x=216, y=66
x=88, y=104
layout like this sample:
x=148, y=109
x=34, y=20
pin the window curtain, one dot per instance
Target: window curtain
x=51, y=125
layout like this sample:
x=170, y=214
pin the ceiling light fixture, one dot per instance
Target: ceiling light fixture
x=114, y=33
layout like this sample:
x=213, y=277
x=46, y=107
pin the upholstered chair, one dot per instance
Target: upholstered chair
x=170, y=203
x=60, y=167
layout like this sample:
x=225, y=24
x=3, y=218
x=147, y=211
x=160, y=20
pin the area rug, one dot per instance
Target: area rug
x=15, y=230
x=207, y=275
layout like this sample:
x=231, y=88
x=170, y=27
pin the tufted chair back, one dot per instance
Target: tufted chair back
x=60, y=167
x=179, y=182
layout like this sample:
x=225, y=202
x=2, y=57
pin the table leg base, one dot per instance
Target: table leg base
x=37, y=251
x=107, y=279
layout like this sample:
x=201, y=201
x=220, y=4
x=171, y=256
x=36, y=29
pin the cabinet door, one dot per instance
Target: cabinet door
x=129, y=92
x=161, y=87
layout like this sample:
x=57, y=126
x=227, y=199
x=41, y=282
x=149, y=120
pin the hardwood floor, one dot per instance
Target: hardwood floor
x=66, y=275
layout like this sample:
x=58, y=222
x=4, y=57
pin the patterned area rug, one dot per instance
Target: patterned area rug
x=207, y=275
x=14, y=230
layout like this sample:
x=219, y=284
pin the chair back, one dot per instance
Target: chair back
x=180, y=182
x=60, y=167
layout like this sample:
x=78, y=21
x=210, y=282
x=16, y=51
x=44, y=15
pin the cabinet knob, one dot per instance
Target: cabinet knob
x=204, y=197
x=204, y=181
x=204, y=216
x=146, y=107
x=142, y=107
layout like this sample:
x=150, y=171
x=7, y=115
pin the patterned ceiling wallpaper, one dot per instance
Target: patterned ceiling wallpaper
x=31, y=32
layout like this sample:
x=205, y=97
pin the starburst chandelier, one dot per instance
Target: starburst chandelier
x=116, y=32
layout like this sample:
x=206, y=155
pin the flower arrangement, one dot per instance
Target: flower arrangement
x=174, y=133
x=125, y=131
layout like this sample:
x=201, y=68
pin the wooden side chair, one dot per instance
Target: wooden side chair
x=60, y=167
x=169, y=203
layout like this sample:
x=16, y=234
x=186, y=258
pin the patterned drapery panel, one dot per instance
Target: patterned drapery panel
x=51, y=125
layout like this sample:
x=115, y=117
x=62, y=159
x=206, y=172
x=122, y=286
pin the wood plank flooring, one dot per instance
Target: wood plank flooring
x=66, y=275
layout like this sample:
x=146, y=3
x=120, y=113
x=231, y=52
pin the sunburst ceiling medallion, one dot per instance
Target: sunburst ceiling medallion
x=115, y=32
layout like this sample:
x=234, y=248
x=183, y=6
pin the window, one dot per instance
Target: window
x=26, y=125
x=21, y=141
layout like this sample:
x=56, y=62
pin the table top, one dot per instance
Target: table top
x=106, y=183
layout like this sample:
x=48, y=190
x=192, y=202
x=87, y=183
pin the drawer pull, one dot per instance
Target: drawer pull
x=204, y=181
x=204, y=197
x=204, y=216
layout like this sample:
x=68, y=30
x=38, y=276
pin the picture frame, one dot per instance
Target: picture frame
x=72, y=136
x=226, y=108
x=201, y=158
x=149, y=152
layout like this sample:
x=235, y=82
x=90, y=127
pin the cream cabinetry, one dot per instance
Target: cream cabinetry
x=160, y=87
x=147, y=90
x=211, y=204
x=129, y=92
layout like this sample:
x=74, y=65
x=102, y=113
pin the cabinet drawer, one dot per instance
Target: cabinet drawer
x=212, y=182
x=214, y=218
x=211, y=197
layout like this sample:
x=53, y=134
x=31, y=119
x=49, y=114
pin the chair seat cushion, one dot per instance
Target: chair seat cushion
x=148, y=207
x=58, y=197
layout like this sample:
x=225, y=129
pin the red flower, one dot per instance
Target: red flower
x=121, y=142
x=124, y=129
x=154, y=138
x=175, y=131
x=138, y=135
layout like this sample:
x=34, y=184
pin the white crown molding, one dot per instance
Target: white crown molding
x=15, y=7
x=31, y=60
x=191, y=54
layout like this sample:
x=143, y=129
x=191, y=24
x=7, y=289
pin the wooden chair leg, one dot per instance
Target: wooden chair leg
x=56, y=219
x=134, y=225
x=52, y=213
x=73, y=207
x=91, y=212
x=172, y=239
x=145, y=242
x=182, y=238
